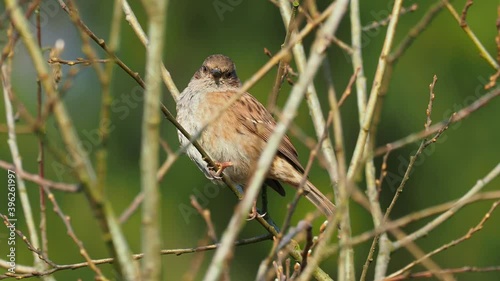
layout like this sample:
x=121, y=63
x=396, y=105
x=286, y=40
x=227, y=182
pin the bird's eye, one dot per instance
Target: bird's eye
x=228, y=74
x=204, y=68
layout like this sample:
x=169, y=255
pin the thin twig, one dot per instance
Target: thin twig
x=428, y=112
x=211, y=234
x=482, y=50
x=307, y=247
x=136, y=27
x=134, y=205
x=383, y=171
x=413, y=158
x=5, y=73
x=282, y=66
x=320, y=247
x=467, y=236
x=205, y=214
x=429, y=274
x=347, y=90
x=41, y=150
x=494, y=77
x=36, y=251
x=66, y=187
x=54, y=60
x=9, y=47
x=459, y=116
x=20, y=129
x=177, y=252
x=384, y=22
x=457, y=206
x=463, y=17
x=71, y=233
x=373, y=191
x=426, y=20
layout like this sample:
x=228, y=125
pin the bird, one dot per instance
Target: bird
x=236, y=139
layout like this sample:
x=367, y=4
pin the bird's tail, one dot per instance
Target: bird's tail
x=319, y=199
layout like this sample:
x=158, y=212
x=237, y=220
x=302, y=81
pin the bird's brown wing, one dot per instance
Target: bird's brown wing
x=255, y=117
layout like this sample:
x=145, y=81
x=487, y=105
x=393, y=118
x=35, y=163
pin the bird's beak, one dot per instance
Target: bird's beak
x=216, y=73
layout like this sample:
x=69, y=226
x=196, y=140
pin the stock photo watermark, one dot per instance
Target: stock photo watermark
x=223, y=6
x=48, y=9
x=11, y=218
x=203, y=196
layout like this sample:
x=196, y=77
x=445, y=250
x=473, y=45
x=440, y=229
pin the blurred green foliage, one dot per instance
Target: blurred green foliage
x=195, y=30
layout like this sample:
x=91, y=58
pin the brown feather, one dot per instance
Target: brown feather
x=258, y=120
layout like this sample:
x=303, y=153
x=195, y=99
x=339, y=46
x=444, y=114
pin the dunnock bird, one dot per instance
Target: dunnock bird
x=236, y=139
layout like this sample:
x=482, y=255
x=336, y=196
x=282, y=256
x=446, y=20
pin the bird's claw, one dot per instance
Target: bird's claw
x=254, y=214
x=216, y=171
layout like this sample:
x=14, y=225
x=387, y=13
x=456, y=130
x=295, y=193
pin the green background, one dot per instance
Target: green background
x=447, y=170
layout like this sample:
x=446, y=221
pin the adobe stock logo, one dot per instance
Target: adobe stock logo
x=203, y=196
x=48, y=9
x=223, y=6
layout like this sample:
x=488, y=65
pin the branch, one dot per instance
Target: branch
x=482, y=50
x=459, y=116
x=426, y=20
x=282, y=66
x=384, y=22
x=151, y=236
x=29, y=272
x=468, y=235
x=16, y=157
x=374, y=94
x=66, y=187
x=443, y=217
x=463, y=21
x=136, y=27
x=428, y=274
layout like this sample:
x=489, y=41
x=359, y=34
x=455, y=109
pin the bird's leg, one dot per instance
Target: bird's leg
x=263, y=194
x=253, y=212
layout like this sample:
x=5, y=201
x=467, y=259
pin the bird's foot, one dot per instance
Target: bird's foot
x=253, y=213
x=219, y=168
